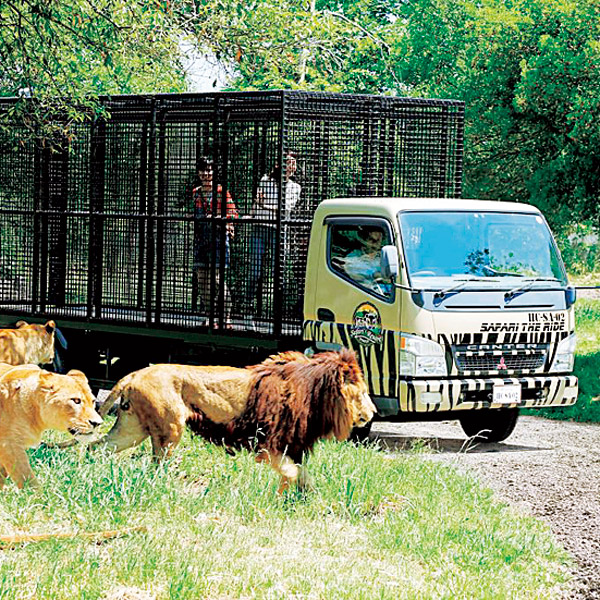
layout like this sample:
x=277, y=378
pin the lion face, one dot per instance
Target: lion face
x=361, y=406
x=356, y=408
x=68, y=403
x=356, y=392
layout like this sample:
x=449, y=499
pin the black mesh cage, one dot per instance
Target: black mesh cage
x=121, y=223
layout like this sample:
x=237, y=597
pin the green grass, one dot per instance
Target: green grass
x=587, y=366
x=375, y=526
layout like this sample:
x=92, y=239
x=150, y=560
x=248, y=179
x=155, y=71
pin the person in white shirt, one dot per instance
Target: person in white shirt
x=262, y=241
x=267, y=195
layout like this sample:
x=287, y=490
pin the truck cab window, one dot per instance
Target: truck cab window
x=355, y=254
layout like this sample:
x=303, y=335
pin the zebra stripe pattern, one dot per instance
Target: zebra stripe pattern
x=466, y=389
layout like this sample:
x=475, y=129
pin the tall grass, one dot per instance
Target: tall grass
x=374, y=526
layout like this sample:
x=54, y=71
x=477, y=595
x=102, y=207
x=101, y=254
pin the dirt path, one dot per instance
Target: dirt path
x=550, y=469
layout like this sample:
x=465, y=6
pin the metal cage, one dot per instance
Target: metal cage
x=104, y=226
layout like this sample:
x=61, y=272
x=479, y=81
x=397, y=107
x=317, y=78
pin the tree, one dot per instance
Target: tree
x=295, y=44
x=529, y=72
x=64, y=54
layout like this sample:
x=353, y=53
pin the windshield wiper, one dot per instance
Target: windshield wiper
x=521, y=289
x=440, y=294
x=495, y=273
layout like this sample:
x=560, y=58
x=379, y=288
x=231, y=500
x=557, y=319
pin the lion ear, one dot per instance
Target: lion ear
x=348, y=374
x=79, y=375
x=46, y=382
x=20, y=324
x=50, y=327
x=350, y=368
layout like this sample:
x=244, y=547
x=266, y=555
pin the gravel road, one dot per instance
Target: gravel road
x=550, y=469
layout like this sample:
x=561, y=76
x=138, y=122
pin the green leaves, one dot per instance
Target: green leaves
x=297, y=43
x=528, y=72
x=63, y=54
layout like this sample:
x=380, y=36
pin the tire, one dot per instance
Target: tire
x=360, y=435
x=489, y=426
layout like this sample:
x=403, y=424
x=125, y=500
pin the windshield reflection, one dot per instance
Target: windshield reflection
x=447, y=248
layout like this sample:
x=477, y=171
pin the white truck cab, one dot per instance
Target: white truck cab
x=456, y=308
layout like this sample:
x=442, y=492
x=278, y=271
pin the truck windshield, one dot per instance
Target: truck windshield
x=443, y=248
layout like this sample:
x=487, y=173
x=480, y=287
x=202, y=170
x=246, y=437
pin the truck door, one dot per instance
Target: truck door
x=354, y=306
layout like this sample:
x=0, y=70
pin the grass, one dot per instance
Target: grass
x=375, y=526
x=587, y=366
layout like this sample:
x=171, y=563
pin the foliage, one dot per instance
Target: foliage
x=64, y=54
x=375, y=526
x=297, y=44
x=587, y=366
x=528, y=72
x=580, y=249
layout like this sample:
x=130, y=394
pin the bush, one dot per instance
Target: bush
x=580, y=249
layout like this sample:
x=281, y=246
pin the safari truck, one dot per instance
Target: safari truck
x=468, y=314
x=337, y=221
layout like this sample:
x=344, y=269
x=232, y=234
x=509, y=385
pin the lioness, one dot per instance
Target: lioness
x=33, y=400
x=28, y=344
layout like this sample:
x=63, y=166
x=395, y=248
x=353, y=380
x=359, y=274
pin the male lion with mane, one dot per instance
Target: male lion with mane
x=28, y=344
x=33, y=400
x=278, y=408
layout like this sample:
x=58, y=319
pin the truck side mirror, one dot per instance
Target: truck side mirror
x=570, y=295
x=389, y=262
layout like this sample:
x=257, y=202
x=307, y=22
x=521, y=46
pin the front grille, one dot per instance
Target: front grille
x=507, y=359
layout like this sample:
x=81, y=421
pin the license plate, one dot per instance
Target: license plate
x=507, y=394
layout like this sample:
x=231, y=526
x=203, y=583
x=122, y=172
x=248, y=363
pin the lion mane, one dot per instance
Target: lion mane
x=278, y=408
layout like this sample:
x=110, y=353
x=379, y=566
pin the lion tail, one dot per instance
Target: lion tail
x=115, y=394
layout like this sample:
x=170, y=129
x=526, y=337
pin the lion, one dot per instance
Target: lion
x=33, y=400
x=28, y=344
x=278, y=408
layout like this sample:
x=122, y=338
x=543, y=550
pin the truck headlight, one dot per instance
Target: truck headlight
x=565, y=355
x=421, y=358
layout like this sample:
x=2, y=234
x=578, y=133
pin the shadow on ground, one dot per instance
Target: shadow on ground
x=443, y=437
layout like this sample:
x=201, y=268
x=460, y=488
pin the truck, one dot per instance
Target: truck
x=456, y=309
x=469, y=315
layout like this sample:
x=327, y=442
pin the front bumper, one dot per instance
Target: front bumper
x=433, y=395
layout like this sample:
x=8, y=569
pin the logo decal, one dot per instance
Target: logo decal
x=501, y=365
x=366, y=325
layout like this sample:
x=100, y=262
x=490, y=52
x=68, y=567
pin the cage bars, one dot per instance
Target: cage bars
x=108, y=217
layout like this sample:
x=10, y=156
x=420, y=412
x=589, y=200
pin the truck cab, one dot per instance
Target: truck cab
x=457, y=309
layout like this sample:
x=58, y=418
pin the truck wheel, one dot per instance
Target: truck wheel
x=361, y=434
x=489, y=426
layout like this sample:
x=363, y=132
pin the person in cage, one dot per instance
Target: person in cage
x=262, y=240
x=205, y=209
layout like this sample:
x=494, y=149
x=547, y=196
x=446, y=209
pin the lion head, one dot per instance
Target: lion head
x=66, y=403
x=351, y=405
x=29, y=343
x=33, y=400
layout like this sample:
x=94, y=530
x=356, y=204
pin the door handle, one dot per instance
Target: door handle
x=324, y=314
